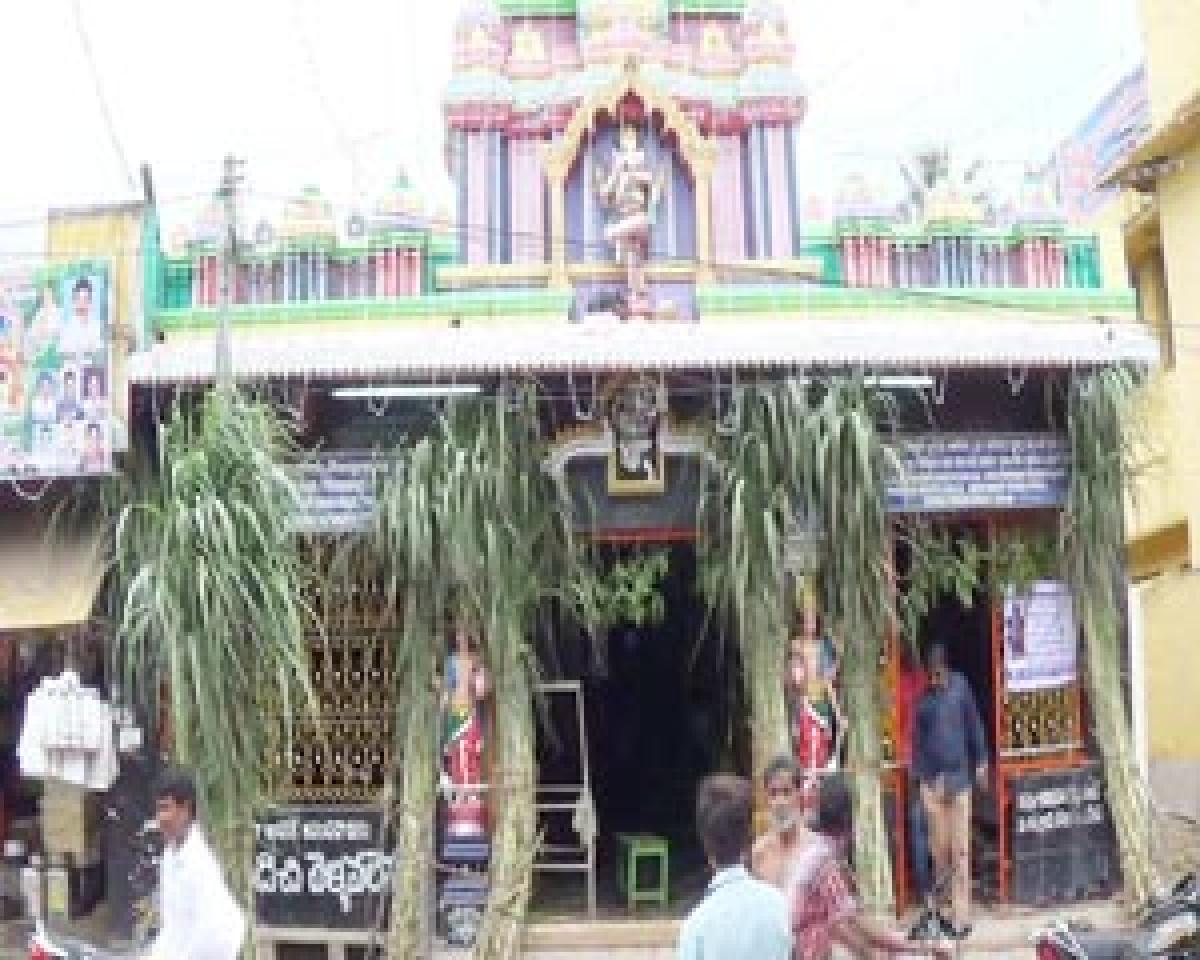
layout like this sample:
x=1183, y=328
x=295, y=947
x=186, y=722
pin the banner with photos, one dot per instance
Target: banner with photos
x=56, y=372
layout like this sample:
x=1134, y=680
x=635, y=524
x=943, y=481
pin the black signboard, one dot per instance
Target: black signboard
x=325, y=867
x=1062, y=837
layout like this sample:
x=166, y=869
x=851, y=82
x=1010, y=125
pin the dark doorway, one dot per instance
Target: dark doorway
x=661, y=712
x=966, y=633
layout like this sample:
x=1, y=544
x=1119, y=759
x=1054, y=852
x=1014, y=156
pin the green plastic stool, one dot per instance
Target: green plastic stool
x=633, y=849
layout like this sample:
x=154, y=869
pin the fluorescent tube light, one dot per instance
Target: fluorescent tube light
x=409, y=390
x=890, y=381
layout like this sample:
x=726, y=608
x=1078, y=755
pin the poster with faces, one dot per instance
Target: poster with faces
x=56, y=371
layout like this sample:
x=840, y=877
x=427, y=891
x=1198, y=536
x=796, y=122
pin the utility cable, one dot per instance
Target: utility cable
x=101, y=100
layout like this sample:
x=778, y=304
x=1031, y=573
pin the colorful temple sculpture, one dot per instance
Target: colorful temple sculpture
x=630, y=231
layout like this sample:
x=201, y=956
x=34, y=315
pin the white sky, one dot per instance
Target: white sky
x=309, y=91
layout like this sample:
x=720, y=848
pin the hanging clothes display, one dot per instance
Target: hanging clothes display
x=68, y=734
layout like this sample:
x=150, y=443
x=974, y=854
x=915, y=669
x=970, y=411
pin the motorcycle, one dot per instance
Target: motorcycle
x=47, y=945
x=1169, y=929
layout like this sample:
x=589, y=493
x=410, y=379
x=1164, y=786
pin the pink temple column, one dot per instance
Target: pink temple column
x=477, y=220
x=210, y=281
x=1029, y=278
x=777, y=192
x=1054, y=264
x=728, y=203
x=885, y=262
x=414, y=273
x=848, y=272
x=528, y=206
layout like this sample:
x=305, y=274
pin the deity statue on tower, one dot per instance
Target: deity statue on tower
x=464, y=692
x=630, y=192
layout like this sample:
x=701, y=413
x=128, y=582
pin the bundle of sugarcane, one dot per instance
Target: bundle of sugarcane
x=1101, y=439
x=208, y=602
x=850, y=467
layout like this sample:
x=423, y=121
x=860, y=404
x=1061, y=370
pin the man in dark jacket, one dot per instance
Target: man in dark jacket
x=949, y=750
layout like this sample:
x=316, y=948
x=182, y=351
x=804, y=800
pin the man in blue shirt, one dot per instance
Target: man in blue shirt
x=740, y=918
x=949, y=750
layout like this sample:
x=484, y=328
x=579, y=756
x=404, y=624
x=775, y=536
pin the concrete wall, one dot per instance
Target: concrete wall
x=1171, y=35
x=1170, y=609
x=1165, y=517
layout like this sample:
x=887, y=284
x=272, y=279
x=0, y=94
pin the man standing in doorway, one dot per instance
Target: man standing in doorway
x=775, y=852
x=949, y=751
x=740, y=918
x=199, y=919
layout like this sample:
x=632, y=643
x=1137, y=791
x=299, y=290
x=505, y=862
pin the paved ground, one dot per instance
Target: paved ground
x=1001, y=934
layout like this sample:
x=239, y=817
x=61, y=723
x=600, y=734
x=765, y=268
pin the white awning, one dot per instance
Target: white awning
x=49, y=577
x=442, y=353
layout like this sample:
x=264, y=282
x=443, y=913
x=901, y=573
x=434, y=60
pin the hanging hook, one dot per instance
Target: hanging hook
x=1016, y=379
x=939, y=387
x=580, y=413
x=726, y=423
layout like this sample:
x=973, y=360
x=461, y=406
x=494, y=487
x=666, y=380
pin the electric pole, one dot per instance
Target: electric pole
x=230, y=179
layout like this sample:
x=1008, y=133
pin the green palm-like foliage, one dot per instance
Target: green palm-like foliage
x=469, y=524
x=782, y=456
x=849, y=469
x=1098, y=429
x=756, y=485
x=210, y=621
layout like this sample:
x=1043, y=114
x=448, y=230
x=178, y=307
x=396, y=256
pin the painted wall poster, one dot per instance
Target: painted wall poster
x=1041, y=639
x=56, y=372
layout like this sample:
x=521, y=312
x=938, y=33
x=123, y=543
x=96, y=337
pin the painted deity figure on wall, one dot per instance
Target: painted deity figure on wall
x=630, y=192
x=817, y=722
x=464, y=693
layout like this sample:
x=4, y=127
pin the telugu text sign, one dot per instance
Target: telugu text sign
x=325, y=867
x=986, y=471
x=56, y=372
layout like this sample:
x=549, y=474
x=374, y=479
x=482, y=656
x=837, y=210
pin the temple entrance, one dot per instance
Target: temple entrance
x=661, y=713
x=966, y=633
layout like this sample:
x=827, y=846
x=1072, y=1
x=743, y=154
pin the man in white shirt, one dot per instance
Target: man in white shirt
x=740, y=917
x=199, y=919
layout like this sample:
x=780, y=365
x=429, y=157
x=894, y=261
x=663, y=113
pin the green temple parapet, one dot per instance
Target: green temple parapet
x=501, y=305
x=1056, y=300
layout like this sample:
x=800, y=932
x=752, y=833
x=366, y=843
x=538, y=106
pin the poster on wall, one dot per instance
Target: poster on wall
x=1041, y=640
x=55, y=372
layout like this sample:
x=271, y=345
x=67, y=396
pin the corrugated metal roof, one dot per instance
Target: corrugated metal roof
x=445, y=352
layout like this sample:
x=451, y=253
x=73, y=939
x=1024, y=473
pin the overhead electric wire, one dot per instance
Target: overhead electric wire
x=101, y=99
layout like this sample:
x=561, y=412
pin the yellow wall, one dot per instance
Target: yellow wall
x=1170, y=612
x=1164, y=523
x=114, y=234
x=1171, y=36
